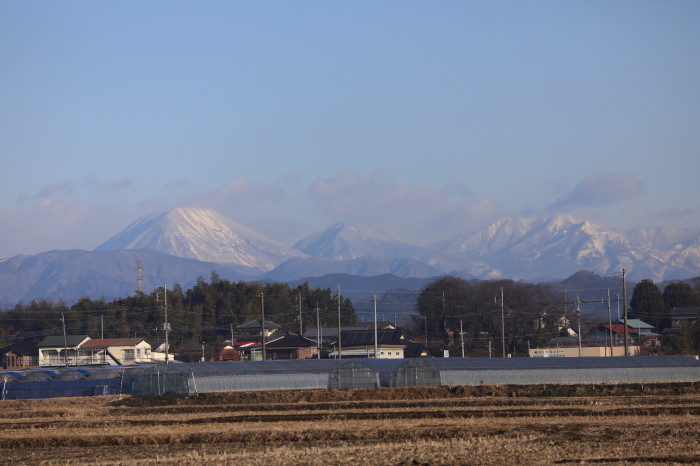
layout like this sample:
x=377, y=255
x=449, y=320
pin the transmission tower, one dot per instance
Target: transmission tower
x=140, y=288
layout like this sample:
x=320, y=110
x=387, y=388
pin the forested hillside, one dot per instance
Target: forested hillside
x=204, y=313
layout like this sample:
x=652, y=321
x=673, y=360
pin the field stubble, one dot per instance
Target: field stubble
x=438, y=426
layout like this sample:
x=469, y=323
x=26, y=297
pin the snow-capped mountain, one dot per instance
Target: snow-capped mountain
x=345, y=242
x=559, y=245
x=201, y=234
x=182, y=244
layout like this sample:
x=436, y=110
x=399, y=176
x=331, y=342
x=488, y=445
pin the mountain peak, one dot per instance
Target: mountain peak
x=343, y=241
x=201, y=234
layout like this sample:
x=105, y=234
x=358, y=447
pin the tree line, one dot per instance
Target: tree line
x=475, y=314
x=456, y=313
x=655, y=307
x=205, y=313
x=453, y=313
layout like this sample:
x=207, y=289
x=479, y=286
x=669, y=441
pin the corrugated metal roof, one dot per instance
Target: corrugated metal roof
x=618, y=328
x=290, y=340
x=635, y=323
x=365, y=337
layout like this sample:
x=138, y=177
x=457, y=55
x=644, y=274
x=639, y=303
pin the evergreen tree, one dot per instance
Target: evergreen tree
x=680, y=294
x=647, y=303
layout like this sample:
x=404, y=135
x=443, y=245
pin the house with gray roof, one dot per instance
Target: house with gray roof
x=60, y=351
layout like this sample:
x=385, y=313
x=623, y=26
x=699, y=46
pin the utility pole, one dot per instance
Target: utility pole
x=301, y=328
x=231, y=334
x=624, y=303
x=376, y=345
x=578, y=315
x=461, y=336
x=166, y=325
x=610, y=325
x=340, y=344
x=318, y=332
x=102, y=326
x=262, y=324
x=425, y=319
x=65, y=339
x=444, y=323
x=203, y=352
x=503, y=326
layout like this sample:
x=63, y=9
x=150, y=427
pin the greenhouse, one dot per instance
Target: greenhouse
x=188, y=379
x=374, y=373
x=60, y=382
x=193, y=378
x=499, y=371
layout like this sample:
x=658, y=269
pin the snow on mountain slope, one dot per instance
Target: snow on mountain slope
x=559, y=245
x=343, y=242
x=201, y=234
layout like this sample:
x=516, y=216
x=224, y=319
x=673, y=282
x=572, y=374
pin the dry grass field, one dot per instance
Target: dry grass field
x=462, y=425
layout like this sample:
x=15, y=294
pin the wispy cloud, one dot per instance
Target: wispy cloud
x=56, y=223
x=120, y=185
x=678, y=214
x=70, y=188
x=414, y=213
x=292, y=207
x=241, y=193
x=601, y=189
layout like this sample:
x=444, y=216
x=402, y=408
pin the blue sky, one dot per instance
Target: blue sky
x=419, y=119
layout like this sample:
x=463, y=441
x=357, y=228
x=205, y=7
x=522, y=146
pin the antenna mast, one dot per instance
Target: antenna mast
x=139, y=277
x=340, y=344
x=166, y=325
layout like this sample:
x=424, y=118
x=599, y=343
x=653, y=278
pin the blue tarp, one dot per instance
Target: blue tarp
x=61, y=388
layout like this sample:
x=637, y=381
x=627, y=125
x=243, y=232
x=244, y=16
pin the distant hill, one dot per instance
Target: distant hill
x=69, y=275
x=365, y=266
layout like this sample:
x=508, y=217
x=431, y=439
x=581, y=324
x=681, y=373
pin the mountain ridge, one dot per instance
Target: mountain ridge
x=528, y=249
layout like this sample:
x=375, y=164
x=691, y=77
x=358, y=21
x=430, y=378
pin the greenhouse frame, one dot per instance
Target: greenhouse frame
x=190, y=379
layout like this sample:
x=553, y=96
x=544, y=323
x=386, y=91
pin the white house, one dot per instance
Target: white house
x=116, y=351
x=61, y=351
x=80, y=350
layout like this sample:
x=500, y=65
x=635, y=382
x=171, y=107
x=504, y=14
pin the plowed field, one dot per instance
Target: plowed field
x=387, y=426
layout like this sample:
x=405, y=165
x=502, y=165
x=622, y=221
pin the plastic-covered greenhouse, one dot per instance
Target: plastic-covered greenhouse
x=477, y=371
x=192, y=378
x=61, y=382
x=187, y=379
